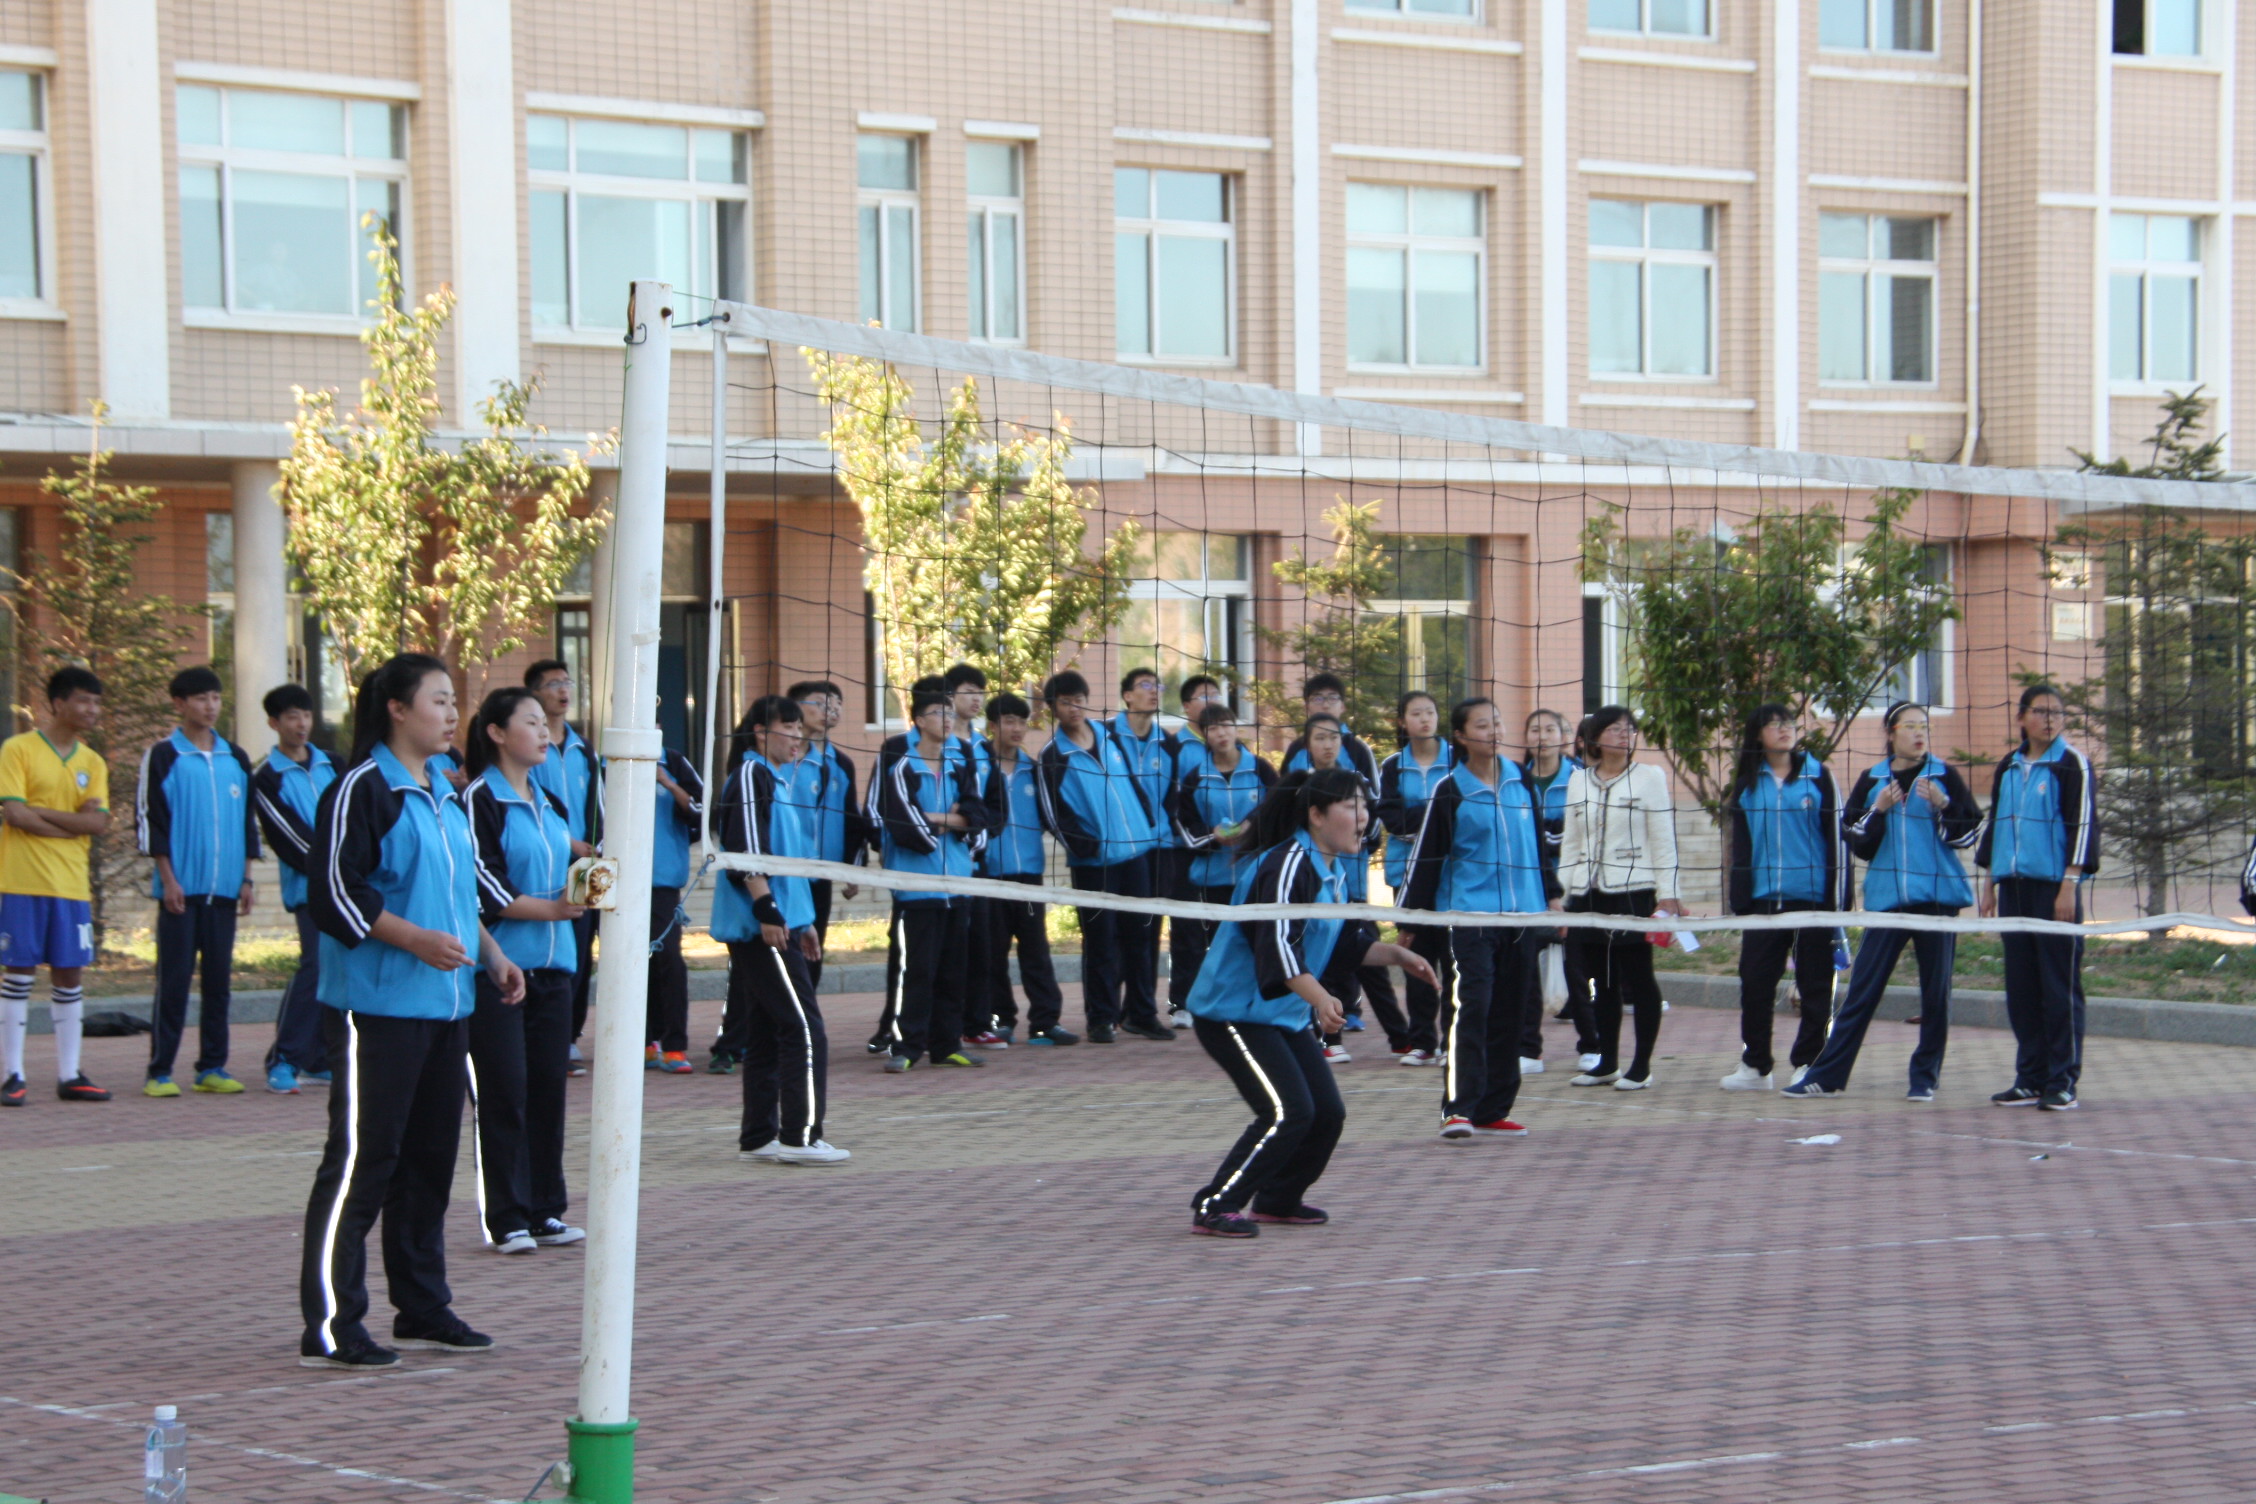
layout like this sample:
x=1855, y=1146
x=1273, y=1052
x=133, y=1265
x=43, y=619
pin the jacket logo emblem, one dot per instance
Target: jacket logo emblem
x=83, y=780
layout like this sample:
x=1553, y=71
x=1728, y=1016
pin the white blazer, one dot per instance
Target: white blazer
x=1621, y=836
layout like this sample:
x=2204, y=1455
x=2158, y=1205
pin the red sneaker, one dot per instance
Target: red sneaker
x=1501, y=1128
x=1457, y=1130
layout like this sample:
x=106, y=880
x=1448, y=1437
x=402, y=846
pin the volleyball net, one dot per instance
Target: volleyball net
x=897, y=504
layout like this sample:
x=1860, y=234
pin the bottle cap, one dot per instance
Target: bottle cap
x=168, y=1412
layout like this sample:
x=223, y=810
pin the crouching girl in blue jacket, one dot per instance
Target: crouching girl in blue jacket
x=1265, y=983
x=394, y=888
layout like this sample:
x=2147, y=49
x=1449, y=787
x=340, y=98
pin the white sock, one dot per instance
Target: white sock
x=15, y=1016
x=67, y=1006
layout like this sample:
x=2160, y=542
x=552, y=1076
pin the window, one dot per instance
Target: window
x=1414, y=276
x=1172, y=254
x=2158, y=28
x=995, y=174
x=1876, y=25
x=1925, y=679
x=886, y=169
x=614, y=200
x=24, y=252
x=1429, y=590
x=273, y=189
x=1652, y=289
x=1190, y=609
x=2153, y=297
x=1665, y=18
x=1460, y=10
x=1875, y=298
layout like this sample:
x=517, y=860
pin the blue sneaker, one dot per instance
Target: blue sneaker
x=283, y=1079
x=313, y=1078
x=1808, y=1088
x=1353, y=1025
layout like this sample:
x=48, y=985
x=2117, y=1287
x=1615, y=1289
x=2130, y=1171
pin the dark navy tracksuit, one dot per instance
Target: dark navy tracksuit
x=1404, y=788
x=1015, y=854
x=287, y=794
x=931, y=929
x=1155, y=756
x=1203, y=801
x=1094, y=803
x=195, y=808
x=2044, y=818
x=1787, y=855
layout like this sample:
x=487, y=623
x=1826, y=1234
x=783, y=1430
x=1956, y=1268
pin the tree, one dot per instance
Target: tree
x=1783, y=609
x=402, y=542
x=1339, y=634
x=977, y=543
x=85, y=605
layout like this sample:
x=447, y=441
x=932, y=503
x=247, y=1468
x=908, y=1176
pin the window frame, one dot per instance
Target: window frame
x=2145, y=383
x=1867, y=267
x=884, y=200
x=1410, y=242
x=226, y=159
x=39, y=146
x=1400, y=10
x=1871, y=28
x=1227, y=600
x=1413, y=610
x=2202, y=34
x=1151, y=227
x=1644, y=28
x=981, y=209
x=703, y=197
x=1645, y=257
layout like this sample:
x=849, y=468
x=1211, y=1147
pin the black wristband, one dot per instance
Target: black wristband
x=767, y=910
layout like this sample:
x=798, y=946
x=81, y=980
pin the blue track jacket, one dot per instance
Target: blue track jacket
x=823, y=781
x=1014, y=847
x=287, y=795
x=673, y=829
x=1551, y=816
x=1206, y=799
x=1093, y=801
x=1476, y=848
x=761, y=813
x=1404, y=788
x=2044, y=815
x=1786, y=840
x=1154, y=757
x=524, y=850
x=1911, y=852
x=569, y=772
x=196, y=808
x=1251, y=963
x=909, y=795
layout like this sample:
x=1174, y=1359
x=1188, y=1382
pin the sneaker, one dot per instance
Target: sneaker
x=519, y=1241
x=313, y=1078
x=878, y=1046
x=987, y=1039
x=1353, y=1024
x=2016, y=1096
x=1157, y=1032
x=13, y=1092
x=556, y=1233
x=1594, y=1077
x=1337, y=1054
x=1633, y=1083
x=159, y=1086
x=1179, y=1019
x=1302, y=1215
x=362, y=1354
x=675, y=1063
x=1920, y=1094
x=1806, y=1088
x=897, y=1064
x=450, y=1335
x=1052, y=1037
x=1101, y=1034
x=1417, y=1058
x=765, y=1153
x=722, y=1064
x=960, y=1060
x=1457, y=1130
x=575, y=1063
x=2058, y=1101
x=1501, y=1128
x=1530, y=1066
x=816, y=1153
x=1747, y=1078
x=79, y=1089
x=283, y=1079
x=1587, y=1062
x=1224, y=1225
x=1008, y=1034
x=651, y=1059
x=218, y=1083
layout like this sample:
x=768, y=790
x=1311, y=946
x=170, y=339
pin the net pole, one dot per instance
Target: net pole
x=718, y=608
x=602, y=1433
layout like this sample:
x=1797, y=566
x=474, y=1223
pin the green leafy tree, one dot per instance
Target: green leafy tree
x=85, y=604
x=1339, y=633
x=977, y=542
x=402, y=541
x=1778, y=610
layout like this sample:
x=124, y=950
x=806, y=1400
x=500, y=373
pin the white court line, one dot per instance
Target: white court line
x=2031, y=1143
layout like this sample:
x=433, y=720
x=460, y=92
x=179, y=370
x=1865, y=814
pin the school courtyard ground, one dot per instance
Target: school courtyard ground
x=1658, y=1297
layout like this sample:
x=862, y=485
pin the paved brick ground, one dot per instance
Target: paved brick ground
x=1654, y=1298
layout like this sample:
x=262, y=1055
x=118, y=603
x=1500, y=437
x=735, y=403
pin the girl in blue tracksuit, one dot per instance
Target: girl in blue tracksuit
x=1210, y=809
x=2041, y=842
x=395, y=891
x=1907, y=819
x=1264, y=983
x=1406, y=781
x=1476, y=852
x=1548, y=770
x=519, y=1055
x=1323, y=743
x=1786, y=857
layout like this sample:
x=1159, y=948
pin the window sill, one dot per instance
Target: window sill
x=1418, y=373
x=585, y=339
x=1884, y=408
x=1355, y=12
x=2167, y=64
x=1177, y=362
x=2151, y=389
x=32, y=312
x=342, y=326
x=1682, y=400
x=1883, y=75
x=1655, y=36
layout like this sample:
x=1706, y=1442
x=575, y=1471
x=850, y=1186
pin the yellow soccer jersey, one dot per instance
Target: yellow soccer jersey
x=33, y=772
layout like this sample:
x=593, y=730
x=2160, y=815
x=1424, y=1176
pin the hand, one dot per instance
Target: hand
x=1932, y=793
x=510, y=978
x=774, y=936
x=1418, y=966
x=175, y=899
x=444, y=952
x=243, y=899
x=559, y=909
x=810, y=945
x=580, y=849
x=2064, y=903
x=850, y=890
x=1671, y=906
x=1988, y=906
x=1890, y=795
x=1330, y=1016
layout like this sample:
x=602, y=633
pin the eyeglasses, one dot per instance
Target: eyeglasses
x=548, y=684
x=2046, y=715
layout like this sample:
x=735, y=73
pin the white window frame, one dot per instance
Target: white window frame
x=703, y=198
x=983, y=209
x=354, y=169
x=1404, y=10
x=2202, y=33
x=1613, y=636
x=1906, y=683
x=1872, y=28
x=885, y=200
x=37, y=145
x=1216, y=596
x=1412, y=611
x=1151, y=227
x=1869, y=266
x=1644, y=27
x=1646, y=257
x=1410, y=243
x=2145, y=384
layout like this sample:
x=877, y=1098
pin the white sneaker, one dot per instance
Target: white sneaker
x=1625, y=1084
x=766, y=1152
x=1337, y=1054
x=1530, y=1067
x=519, y=1241
x=1594, y=1078
x=1587, y=1062
x=816, y=1153
x=1179, y=1019
x=1417, y=1058
x=1747, y=1078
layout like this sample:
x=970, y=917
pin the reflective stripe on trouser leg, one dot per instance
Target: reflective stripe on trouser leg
x=806, y=1044
x=344, y=1185
x=1276, y=1119
x=1456, y=1012
x=477, y=1148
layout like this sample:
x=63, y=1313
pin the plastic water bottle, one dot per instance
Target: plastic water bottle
x=164, y=1459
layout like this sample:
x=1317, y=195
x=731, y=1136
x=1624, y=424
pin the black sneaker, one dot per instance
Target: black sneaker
x=2058, y=1101
x=1224, y=1225
x=360, y=1354
x=1155, y=1031
x=722, y=1064
x=453, y=1335
x=2015, y=1096
x=79, y=1089
x=13, y=1092
x=1101, y=1034
x=879, y=1045
x=1053, y=1036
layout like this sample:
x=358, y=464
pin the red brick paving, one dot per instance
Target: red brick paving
x=1653, y=1298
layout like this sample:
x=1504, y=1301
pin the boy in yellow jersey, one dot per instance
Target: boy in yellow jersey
x=54, y=799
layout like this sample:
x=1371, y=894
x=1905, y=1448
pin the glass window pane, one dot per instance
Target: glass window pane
x=1131, y=192
x=379, y=197
x=622, y=239
x=991, y=169
x=1906, y=26
x=900, y=267
x=1228, y=557
x=976, y=280
x=1002, y=232
x=730, y=248
x=1442, y=7
x=19, y=101
x=267, y=121
x=1445, y=211
x=873, y=265
x=1840, y=23
x=1131, y=294
x=2126, y=237
x=1683, y=18
x=624, y=149
x=1377, y=209
x=1840, y=326
x=1179, y=556
x=1448, y=308
x=293, y=242
x=1193, y=299
x=1190, y=195
x=2170, y=328
x=1613, y=15
x=885, y=161
x=720, y=156
x=1680, y=320
x=2174, y=29
x=1377, y=333
x=1909, y=239
x=545, y=144
x=198, y=115
x=1679, y=227
x=200, y=284
x=19, y=226
x=1616, y=221
x=1841, y=235
x=1614, y=317
x=1388, y=6
x=551, y=291
x=1907, y=323
x=2124, y=361
x=2171, y=237
x=376, y=130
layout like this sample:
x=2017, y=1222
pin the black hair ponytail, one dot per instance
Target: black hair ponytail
x=395, y=682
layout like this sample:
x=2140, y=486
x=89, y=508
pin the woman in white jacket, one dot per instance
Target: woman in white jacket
x=1617, y=855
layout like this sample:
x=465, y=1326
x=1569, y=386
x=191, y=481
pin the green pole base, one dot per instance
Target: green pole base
x=602, y=1458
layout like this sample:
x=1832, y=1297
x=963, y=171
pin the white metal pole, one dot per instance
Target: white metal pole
x=602, y=1434
x=716, y=601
